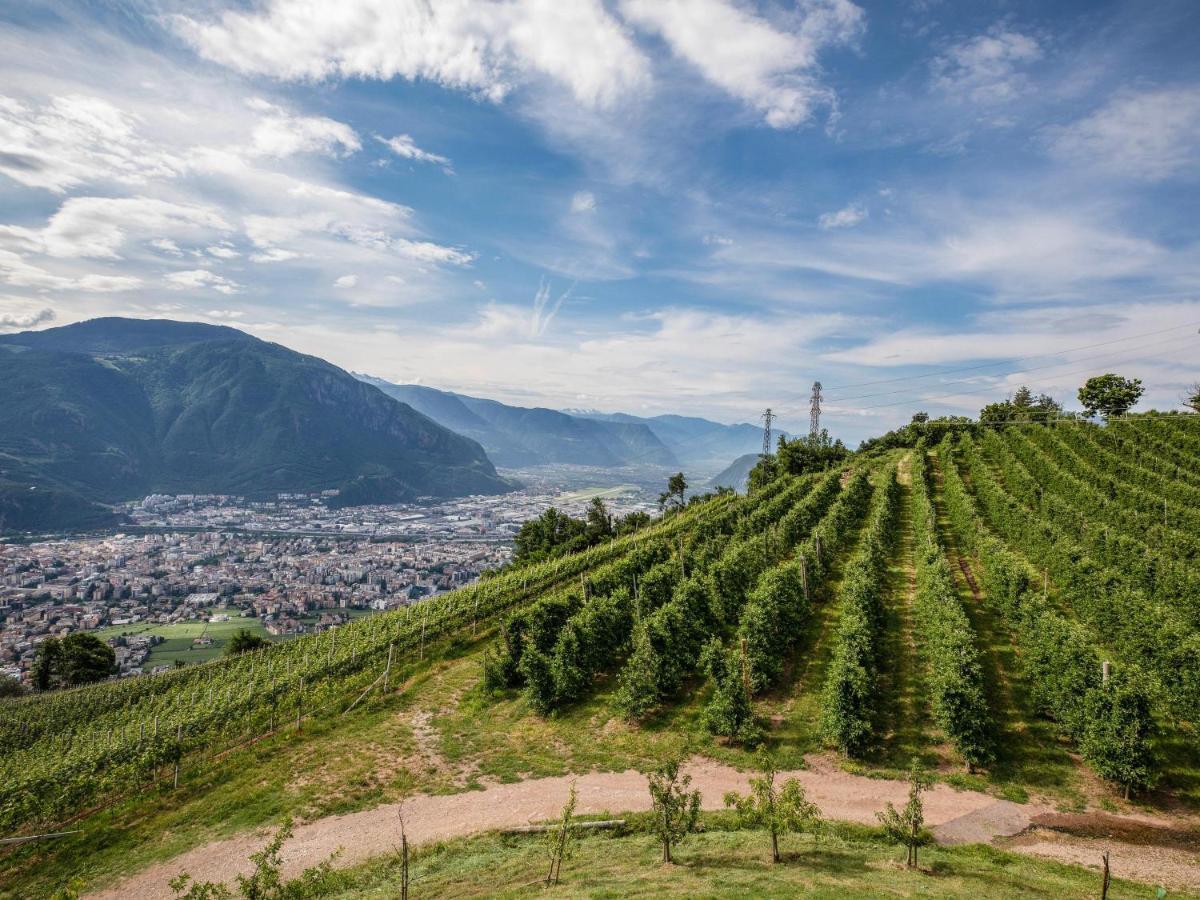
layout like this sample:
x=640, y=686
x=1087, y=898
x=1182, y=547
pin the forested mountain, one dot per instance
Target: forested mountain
x=113, y=409
x=519, y=436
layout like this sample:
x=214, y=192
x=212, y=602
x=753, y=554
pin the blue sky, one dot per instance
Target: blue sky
x=693, y=206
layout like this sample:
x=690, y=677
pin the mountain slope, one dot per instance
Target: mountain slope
x=519, y=436
x=107, y=413
x=697, y=443
x=737, y=474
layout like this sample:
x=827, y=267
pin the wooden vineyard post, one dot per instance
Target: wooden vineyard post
x=475, y=615
x=745, y=668
x=403, y=857
x=178, y=751
x=804, y=576
x=1105, y=671
x=817, y=546
x=300, y=703
x=1104, y=878
x=424, y=617
x=388, y=670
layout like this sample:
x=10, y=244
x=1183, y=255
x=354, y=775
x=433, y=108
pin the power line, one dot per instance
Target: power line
x=950, y=371
x=1128, y=418
x=1016, y=371
x=984, y=390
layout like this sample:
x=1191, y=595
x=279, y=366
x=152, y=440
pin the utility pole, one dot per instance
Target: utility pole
x=814, y=413
x=767, y=418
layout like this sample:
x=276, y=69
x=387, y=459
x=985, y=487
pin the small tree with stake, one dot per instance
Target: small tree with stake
x=905, y=826
x=779, y=811
x=675, y=808
x=560, y=839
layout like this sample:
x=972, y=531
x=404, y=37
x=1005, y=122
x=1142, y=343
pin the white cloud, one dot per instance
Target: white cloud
x=346, y=281
x=1148, y=134
x=200, y=278
x=717, y=240
x=274, y=254
x=772, y=70
x=988, y=68
x=282, y=134
x=482, y=47
x=166, y=245
x=64, y=141
x=223, y=250
x=225, y=314
x=405, y=147
x=16, y=271
x=1045, y=246
x=22, y=321
x=847, y=217
x=98, y=227
x=583, y=202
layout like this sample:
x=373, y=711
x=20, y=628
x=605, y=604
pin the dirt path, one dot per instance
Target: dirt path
x=373, y=832
x=1143, y=848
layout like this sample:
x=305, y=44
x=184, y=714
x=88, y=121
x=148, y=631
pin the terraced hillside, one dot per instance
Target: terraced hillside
x=1016, y=607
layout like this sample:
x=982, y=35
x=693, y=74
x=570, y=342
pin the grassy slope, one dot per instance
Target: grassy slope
x=852, y=862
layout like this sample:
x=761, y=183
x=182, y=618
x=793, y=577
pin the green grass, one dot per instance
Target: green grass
x=588, y=493
x=850, y=862
x=904, y=729
x=178, y=638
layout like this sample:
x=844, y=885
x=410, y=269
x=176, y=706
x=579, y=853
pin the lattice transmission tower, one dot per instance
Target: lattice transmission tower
x=814, y=412
x=767, y=418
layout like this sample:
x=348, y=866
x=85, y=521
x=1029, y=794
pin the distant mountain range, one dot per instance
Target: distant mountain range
x=112, y=409
x=699, y=444
x=516, y=436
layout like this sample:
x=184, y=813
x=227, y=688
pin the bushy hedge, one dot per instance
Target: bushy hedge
x=948, y=641
x=851, y=686
x=779, y=607
x=1111, y=723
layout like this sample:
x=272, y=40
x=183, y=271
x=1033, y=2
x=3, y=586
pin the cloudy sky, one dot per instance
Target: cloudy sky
x=647, y=205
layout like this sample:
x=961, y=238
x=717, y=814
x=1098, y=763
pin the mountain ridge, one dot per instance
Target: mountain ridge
x=110, y=410
x=518, y=436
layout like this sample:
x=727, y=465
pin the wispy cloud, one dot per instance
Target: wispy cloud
x=846, y=217
x=988, y=68
x=774, y=70
x=541, y=318
x=1141, y=134
x=406, y=148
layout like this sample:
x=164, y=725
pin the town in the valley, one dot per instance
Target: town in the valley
x=189, y=571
